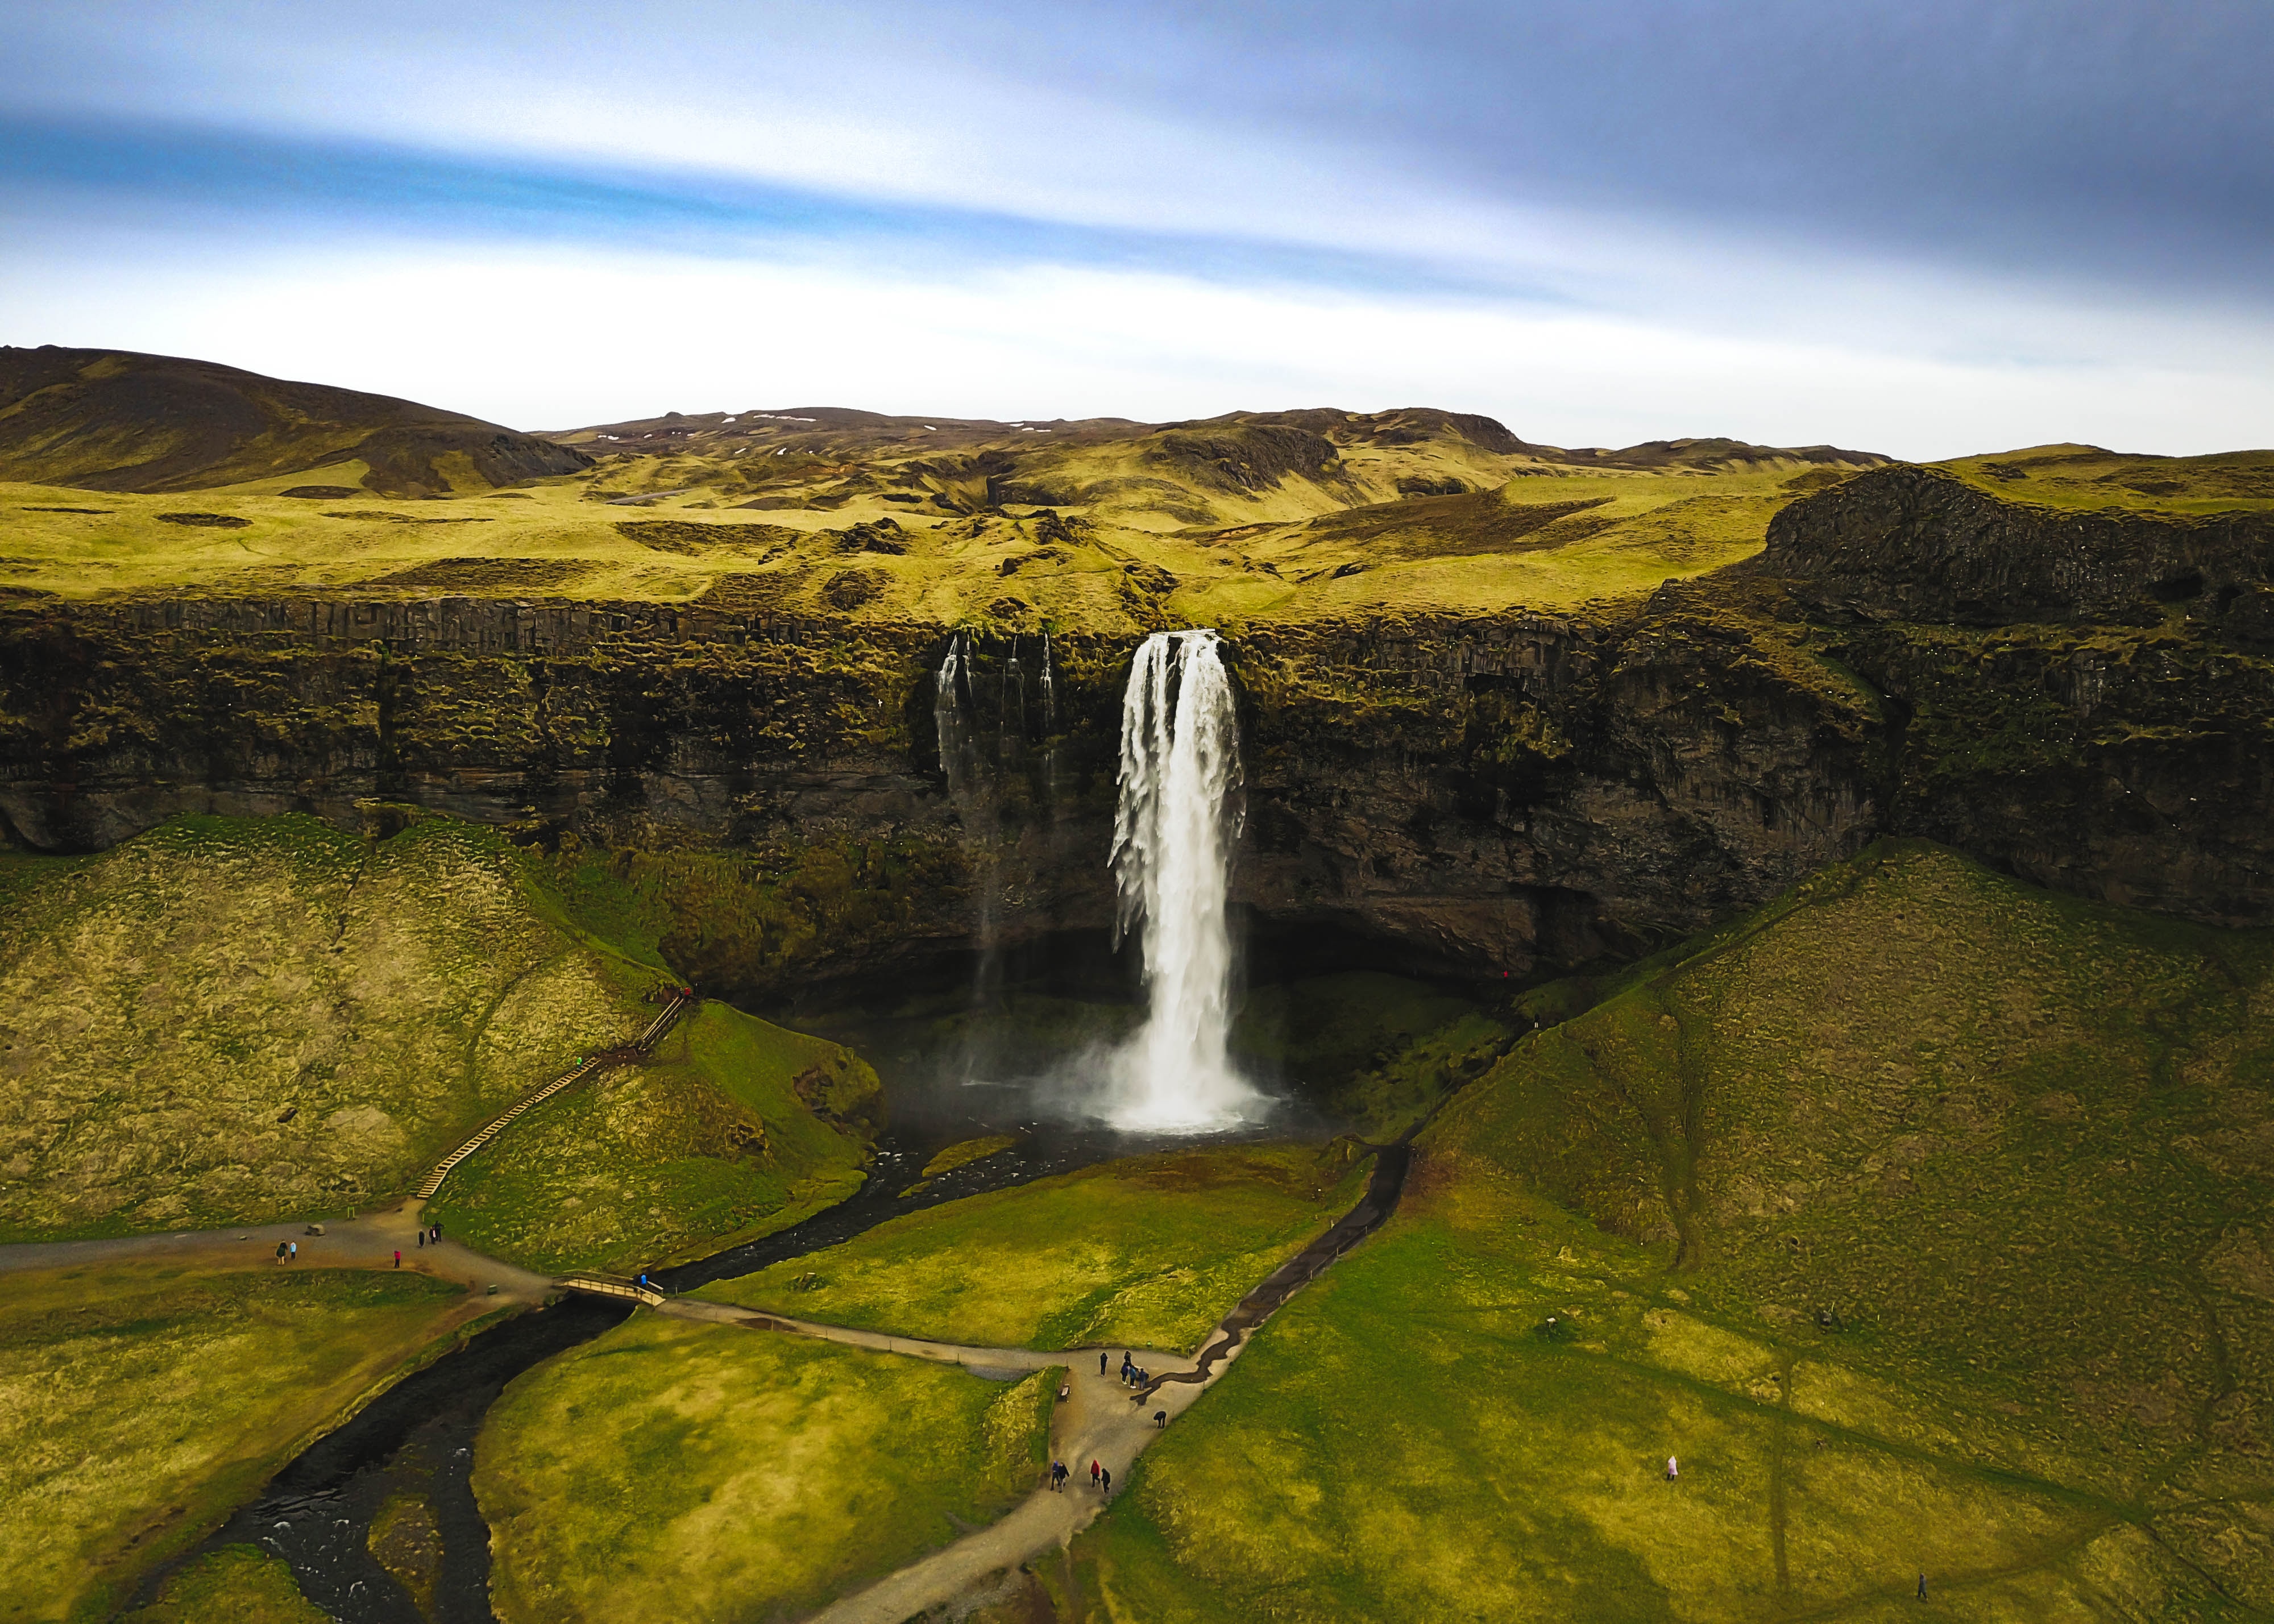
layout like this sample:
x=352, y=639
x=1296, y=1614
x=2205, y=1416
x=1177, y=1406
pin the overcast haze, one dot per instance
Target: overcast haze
x=1923, y=228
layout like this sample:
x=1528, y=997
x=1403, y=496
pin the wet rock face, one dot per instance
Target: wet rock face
x=1487, y=793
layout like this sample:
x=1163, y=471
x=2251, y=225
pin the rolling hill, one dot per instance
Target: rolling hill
x=111, y=420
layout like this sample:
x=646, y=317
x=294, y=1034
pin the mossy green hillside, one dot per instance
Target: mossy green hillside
x=1284, y=548
x=670, y=1470
x=141, y=1402
x=2088, y=477
x=229, y=1019
x=1968, y=1187
x=735, y=1127
x=242, y=1584
x=1149, y=1251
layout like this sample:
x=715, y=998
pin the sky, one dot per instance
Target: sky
x=1924, y=228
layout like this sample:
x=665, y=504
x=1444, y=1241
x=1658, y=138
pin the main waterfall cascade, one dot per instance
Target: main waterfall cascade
x=1172, y=855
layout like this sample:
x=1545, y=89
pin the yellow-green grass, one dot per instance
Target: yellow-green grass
x=2087, y=476
x=1016, y=568
x=673, y=1471
x=141, y=1402
x=714, y=1140
x=963, y=1153
x=1969, y=1183
x=1150, y=1252
x=225, y=1021
x=241, y=1584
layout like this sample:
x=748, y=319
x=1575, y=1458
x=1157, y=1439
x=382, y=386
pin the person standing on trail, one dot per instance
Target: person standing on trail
x=1094, y=1470
x=1105, y=1482
x=280, y=1251
x=422, y=1237
x=1101, y=1361
x=294, y=1254
x=398, y=1257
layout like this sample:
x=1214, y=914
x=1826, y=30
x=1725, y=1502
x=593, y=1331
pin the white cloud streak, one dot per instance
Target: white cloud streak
x=549, y=337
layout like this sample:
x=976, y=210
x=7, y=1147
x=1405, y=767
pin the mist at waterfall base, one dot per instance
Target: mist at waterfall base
x=1173, y=835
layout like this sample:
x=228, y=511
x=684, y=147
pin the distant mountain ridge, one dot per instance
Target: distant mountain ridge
x=117, y=420
x=847, y=432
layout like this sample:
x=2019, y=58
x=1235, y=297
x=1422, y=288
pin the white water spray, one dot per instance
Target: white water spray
x=1179, y=771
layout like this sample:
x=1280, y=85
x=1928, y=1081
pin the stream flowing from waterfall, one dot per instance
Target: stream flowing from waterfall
x=1173, y=835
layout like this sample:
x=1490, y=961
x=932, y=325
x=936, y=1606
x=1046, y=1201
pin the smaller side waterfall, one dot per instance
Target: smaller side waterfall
x=947, y=715
x=1172, y=855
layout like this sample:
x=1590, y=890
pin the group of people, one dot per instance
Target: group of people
x=430, y=1235
x=1132, y=1374
x=1100, y=1477
x=288, y=1252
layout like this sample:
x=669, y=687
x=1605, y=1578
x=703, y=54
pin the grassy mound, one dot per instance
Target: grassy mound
x=715, y=1139
x=229, y=1019
x=1150, y=1251
x=1923, y=1217
x=670, y=1470
x=240, y=1582
x=139, y=1403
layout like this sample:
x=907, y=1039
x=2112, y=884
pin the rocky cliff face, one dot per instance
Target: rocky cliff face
x=1503, y=793
x=1917, y=544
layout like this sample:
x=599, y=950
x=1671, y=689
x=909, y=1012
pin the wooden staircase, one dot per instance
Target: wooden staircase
x=630, y=1054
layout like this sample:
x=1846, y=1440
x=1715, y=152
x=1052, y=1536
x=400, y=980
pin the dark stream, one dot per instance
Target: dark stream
x=417, y=1439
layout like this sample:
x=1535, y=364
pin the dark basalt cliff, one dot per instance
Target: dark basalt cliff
x=1502, y=792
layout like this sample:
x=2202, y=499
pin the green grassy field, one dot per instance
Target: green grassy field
x=710, y=1141
x=2087, y=476
x=1150, y=1251
x=139, y=1404
x=1280, y=552
x=672, y=1470
x=240, y=1584
x=1969, y=1185
x=229, y=1019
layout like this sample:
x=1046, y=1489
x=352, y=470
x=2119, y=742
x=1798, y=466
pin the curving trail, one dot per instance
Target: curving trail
x=1100, y=1420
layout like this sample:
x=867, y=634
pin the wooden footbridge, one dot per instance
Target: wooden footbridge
x=677, y=1000
x=592, y=1284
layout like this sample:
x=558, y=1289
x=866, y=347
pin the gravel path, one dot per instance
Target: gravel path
x=1100, y=1420
x=366, y=1242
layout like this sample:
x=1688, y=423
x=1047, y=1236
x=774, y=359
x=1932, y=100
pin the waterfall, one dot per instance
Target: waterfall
x=1012, y=724
x=1050, y=732
x=947, y=717
x=1171, y=832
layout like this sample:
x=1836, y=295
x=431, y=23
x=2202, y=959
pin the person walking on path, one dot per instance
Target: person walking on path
x=1101, y=1361
x=1105, y=1482
x=1094, y=1470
